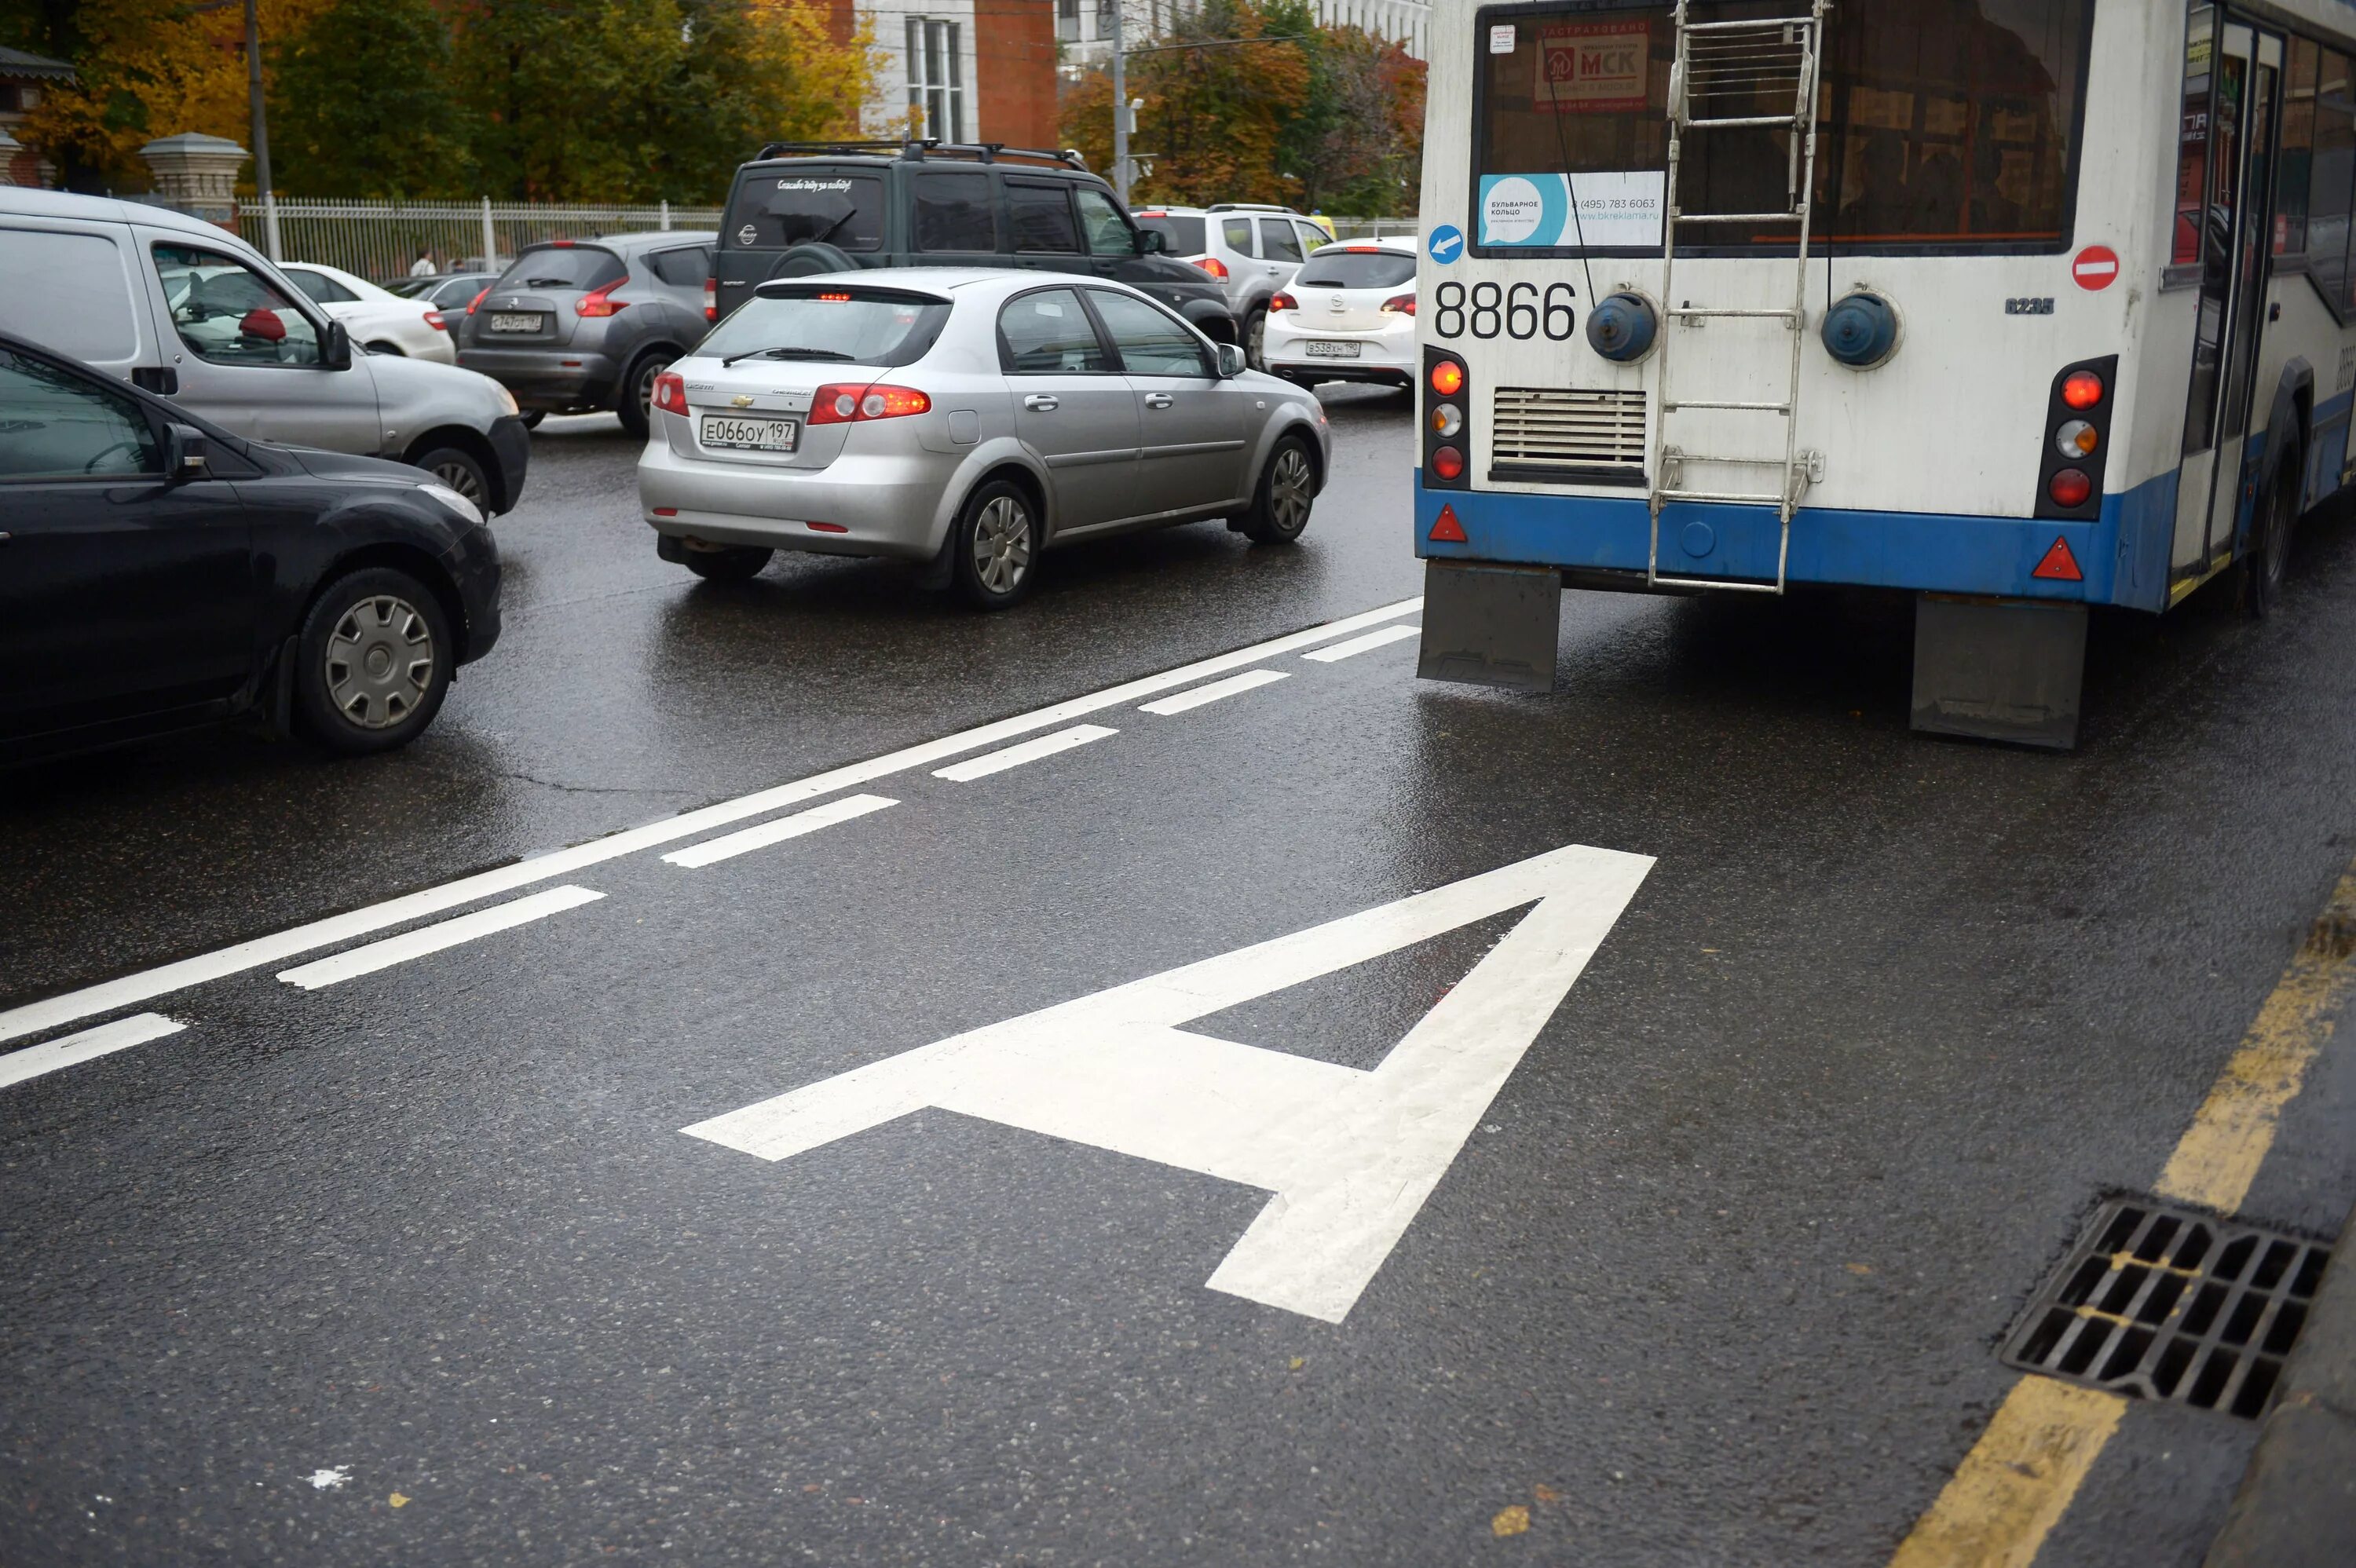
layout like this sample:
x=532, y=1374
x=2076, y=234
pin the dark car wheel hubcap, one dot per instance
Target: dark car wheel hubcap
x=1290, y=491
x=1001, y=544
x=461, y=478
x=380, y=662
x=647, y=378
x=1257, y=338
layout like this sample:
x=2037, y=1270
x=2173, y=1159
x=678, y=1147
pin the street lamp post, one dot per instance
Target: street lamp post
x=261, y=124
x=1119, y=113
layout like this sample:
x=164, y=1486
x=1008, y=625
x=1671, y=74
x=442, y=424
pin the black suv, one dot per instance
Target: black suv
x=800, y=208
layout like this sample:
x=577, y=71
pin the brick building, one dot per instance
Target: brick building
x=963, y=70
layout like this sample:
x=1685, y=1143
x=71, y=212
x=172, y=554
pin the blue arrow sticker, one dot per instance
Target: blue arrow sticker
x=1447, y=244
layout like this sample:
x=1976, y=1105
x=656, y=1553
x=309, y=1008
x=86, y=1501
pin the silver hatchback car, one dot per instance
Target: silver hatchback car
x=972, y=419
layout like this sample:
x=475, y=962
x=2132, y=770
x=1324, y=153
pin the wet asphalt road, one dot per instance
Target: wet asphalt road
x=1718, y=1277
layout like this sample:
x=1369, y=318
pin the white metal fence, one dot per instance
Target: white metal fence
x=381, y=240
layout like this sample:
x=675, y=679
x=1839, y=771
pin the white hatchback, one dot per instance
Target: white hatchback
x=1347, y=316
x=379, y=321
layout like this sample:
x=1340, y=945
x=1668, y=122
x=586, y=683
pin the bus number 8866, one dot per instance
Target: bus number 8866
x=1517, y=312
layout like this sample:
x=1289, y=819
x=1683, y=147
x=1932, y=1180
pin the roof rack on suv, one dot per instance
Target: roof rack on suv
x=916, y=150
x=1246, y=206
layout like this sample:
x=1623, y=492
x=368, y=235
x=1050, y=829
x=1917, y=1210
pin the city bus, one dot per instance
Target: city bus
x=2016, y=306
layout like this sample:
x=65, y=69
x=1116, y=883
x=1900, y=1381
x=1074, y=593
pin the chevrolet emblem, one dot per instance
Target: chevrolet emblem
x=741, y=400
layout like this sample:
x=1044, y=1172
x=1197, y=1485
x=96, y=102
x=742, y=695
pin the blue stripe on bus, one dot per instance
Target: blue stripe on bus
x=2123, y=554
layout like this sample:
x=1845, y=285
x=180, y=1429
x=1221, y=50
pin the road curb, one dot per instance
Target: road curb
x=2296, y=1505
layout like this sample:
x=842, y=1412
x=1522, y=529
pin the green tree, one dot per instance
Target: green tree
x=364, y=105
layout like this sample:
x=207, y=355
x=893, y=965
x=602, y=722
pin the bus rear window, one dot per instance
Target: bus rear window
x=1342, y=267
x=1939, y=125
x=817, y=207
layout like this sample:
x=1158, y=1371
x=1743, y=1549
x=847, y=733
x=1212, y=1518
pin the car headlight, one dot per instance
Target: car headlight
x=456, y=502
x=506, y=400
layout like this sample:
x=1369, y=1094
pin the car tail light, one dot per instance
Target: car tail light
x=848, y=403
x=1447, y=420
x=1399, y=304
x=478, y=299
x=671, y=392
x=1213, y=266
x=600, y=303
x=434, y=319
x=1283, y=301
x=2077, y=441
x=711, y=300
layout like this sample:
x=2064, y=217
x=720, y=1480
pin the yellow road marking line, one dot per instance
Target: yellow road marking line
x=2218, y=1158
x=2018, y=1480
x=2015, y=1483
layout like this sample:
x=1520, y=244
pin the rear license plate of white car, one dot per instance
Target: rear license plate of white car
x=1319, y=349
x=504, y=323
x=748, y=435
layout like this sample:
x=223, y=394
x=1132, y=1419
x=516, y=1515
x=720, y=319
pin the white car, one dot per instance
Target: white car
x=1348, y=315
x=379, y=320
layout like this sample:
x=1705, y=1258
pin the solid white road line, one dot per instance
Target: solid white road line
x=51, y=1055
x=146, y=985
x=779, y=830
x=411, y=944
x=1231, y=687
x=1357, y=645
x=1028, y=752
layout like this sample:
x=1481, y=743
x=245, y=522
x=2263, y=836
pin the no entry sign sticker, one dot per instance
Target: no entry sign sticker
x=2094, y=267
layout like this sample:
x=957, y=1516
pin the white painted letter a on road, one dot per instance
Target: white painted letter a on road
x=1350, y=1156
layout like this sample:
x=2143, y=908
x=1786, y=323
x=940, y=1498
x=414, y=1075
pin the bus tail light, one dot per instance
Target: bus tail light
x=1447, y=423
x=2077, y=439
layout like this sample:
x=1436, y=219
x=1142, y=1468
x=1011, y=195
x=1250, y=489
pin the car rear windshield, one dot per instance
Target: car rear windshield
x=1185, y=232
x=1939, y=125
x=808, y=207
x=563, y=267
x=1338, y=267
x=853, y=327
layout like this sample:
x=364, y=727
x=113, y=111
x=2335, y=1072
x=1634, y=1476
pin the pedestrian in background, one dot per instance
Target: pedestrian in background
x=424, y=266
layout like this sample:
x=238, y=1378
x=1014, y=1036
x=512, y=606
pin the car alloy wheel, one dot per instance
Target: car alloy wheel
x=648, y=373
x=1002, y=545
x=1255, y=341
x=465, y=478
x=1291, y=489
x=379, y=662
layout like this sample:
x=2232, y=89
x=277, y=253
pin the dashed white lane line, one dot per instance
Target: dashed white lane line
x=1233, y=686
x=779, y=830
x=1028, y=752
x=145, y=985
x=1357, y=645
x=411, y=944
x=51, y=1055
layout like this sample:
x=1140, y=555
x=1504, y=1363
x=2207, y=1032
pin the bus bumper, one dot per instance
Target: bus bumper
x=2120, y=557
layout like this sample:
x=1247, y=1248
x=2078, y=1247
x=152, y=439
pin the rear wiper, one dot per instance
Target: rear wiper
x=785, y=351
x=547, y=282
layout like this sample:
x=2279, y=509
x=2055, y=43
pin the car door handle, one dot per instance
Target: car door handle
x=1157, y=400
x=1043, y=401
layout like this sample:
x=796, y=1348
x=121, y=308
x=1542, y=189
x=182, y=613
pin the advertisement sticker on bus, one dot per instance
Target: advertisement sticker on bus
x=1617, y=209
x=1593, y=68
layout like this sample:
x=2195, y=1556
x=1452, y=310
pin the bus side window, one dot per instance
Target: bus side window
x=2298, y=148
x=2333, y=166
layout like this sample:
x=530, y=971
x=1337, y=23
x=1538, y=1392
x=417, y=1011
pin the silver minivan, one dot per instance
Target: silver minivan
x=188, y=311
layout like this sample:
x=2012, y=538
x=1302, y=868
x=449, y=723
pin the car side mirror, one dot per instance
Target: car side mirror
x=338, y=354
x=187, y=453
x=1231, y=360
x=1151, y=243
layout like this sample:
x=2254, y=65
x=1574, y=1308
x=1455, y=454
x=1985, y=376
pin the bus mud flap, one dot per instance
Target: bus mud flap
x=1998, y=669
x=1490, y=626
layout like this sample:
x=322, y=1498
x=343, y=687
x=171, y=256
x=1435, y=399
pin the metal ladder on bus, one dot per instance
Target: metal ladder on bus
x=1738, y=59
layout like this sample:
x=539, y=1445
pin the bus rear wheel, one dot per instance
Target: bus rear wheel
x=2276, y=518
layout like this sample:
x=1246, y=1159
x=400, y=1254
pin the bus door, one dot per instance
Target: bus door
x=2228, y=157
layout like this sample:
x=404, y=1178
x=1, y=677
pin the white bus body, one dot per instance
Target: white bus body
x=2154, y=195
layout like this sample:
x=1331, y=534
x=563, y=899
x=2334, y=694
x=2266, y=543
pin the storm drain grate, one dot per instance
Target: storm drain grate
x=2160, y=1302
